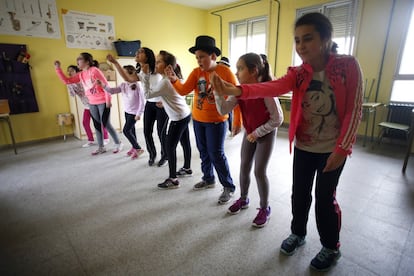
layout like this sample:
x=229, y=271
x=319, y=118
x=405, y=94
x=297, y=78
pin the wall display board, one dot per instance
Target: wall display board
x=88, y=30
x=37, y=18
x=15, y=80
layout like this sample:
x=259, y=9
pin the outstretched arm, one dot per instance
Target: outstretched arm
x=222, y=87
x=125, y=76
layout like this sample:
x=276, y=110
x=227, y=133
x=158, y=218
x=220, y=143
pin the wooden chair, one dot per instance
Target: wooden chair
x=5, y=116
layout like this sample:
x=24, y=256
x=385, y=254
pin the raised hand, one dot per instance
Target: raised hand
x=169, y=72
x=222, y=87
x=111, y=58
x=57, y=64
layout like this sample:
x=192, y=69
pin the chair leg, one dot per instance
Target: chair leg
x=12, y=135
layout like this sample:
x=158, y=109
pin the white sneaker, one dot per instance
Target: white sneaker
x=87, y=145
x=118, y=147
x=106, y=142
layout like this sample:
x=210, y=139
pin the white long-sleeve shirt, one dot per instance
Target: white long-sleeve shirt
x=174, y=104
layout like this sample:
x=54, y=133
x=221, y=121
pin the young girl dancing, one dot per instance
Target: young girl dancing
x=176, y=128
x=261, y=117
x=134, y=102
x=99, y=100
x=77, y=89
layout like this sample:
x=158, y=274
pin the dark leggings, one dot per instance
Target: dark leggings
x=328, y=213
x=173, y=132
x=260, y=152
x=153, y=113
x=129, y=130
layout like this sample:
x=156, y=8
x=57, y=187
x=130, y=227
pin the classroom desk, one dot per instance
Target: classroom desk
x=367, y=109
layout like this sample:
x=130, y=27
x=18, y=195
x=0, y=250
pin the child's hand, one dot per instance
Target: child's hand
x=57, y=64
x=111, y=58
x=108, y=105
x=169, y=72
x=251, y=138
x=159, y=104
x=222, y=87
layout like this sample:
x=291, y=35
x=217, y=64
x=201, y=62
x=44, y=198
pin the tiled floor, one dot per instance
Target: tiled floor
x=64, y=212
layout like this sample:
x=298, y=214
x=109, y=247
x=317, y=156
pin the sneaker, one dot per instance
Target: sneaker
x=162, y=162
x=137, y=153
x=99, y=150
x=225, y=195
x=204, y=185
x=117, y=148
x=292, y=243
x=238, y=205
x=87, y=145
x=325, y=259
x=130, y=152
x=169, y=184
x=151, y=162
x=106, y=142
x=262, y=217
x=184, y=172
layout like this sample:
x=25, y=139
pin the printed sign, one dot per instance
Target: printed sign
x=37, y=18
x=87, y=30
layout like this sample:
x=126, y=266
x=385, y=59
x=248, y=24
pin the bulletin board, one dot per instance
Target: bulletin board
x=88, y=30
x=37, y=18
x=15, y=80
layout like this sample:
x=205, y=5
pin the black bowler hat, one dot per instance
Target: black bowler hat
x=205, y=43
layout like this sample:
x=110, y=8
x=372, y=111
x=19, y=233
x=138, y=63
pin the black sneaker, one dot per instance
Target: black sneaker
x=184, y=172
x=169, y=184
x=292, y=243
x=162, y=162
x=325, y=259
x=151, y=162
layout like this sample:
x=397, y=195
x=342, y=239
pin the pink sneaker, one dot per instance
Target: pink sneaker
x=131, y=151
x=238, y=205
x=262, y=217
x=137, y=153
x=117, y=148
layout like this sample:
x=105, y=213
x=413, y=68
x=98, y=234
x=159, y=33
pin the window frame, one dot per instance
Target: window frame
x=323, y=8
x=249, y=25
x=398, y=77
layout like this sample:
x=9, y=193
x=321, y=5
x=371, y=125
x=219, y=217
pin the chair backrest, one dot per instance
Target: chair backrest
x=4, y=107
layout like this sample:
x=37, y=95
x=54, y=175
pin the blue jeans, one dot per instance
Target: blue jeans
x=210, y=143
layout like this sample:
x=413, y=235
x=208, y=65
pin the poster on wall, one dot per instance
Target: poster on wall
x=88, y=30
x=37, y=18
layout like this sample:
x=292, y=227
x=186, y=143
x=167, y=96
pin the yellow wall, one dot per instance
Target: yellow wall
x=158, y=24
x=162, y=25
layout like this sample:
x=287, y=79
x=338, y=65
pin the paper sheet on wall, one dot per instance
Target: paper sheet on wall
x=37, y=18
x=87, y=30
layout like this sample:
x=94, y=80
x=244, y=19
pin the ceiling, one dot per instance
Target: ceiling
x=204, y=4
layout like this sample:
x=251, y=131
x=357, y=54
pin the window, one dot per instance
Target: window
x=342, y=16
x=403, y=85
x=247, y=36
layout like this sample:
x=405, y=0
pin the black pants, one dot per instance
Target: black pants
x=153, y=113
x=174, y=132
x=129, y=130
x=328, y=213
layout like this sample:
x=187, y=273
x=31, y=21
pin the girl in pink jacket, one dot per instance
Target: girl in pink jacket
x=99, y=99
x=326, y=111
